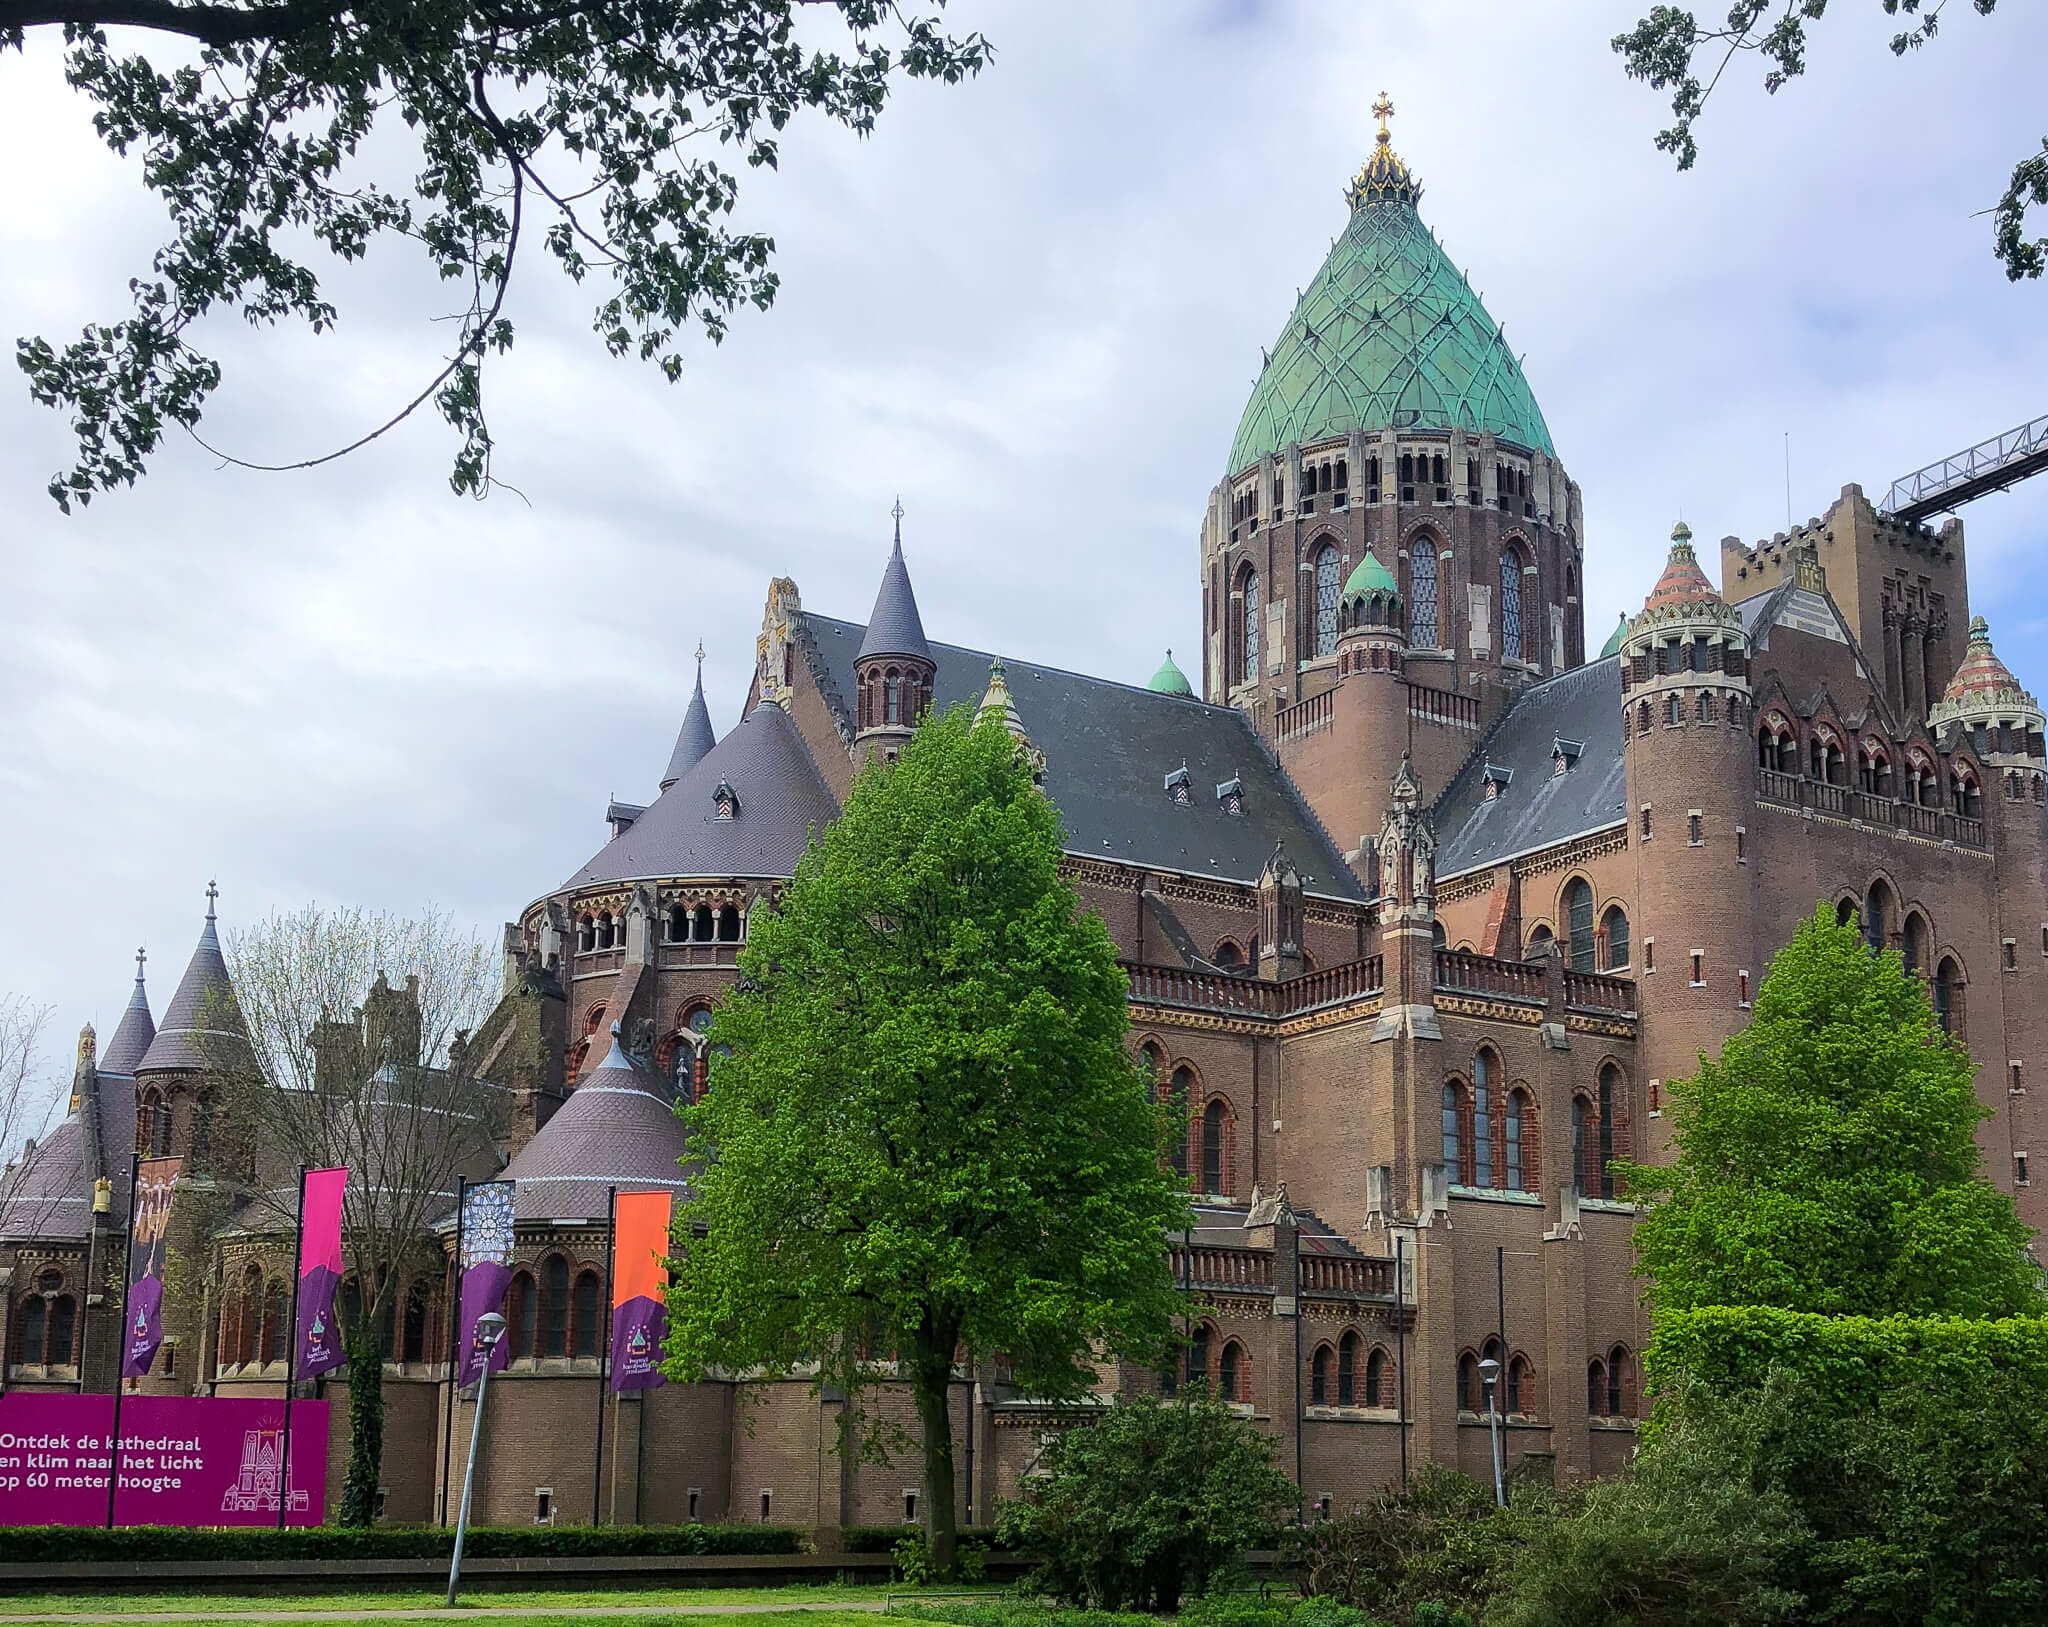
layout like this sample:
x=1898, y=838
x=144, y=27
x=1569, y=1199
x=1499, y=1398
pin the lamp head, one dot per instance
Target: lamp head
x=490, y=1328
x=1489, y=1370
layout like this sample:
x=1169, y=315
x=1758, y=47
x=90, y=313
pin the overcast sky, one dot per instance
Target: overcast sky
x=1034, y=306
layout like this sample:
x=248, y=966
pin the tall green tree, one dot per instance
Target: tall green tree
x=1827, y=1161
x=1671, y=49
x=929, y=1137
x=615, y=131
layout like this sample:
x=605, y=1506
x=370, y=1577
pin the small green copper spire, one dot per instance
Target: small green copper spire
x=1368, y=577
x=1170, y=680
x=1613, y=644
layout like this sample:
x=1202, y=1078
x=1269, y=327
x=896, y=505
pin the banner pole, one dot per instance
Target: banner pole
x=454, y=1333
x=121, y=1342
x=604, y=1342
x=291, y=1357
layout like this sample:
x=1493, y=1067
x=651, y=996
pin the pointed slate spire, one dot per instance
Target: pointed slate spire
x=131, y=1040
x=894, y=626
x=201, y=1009
x=696, y=736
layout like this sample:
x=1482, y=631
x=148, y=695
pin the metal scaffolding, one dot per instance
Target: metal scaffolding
x=1989, y=466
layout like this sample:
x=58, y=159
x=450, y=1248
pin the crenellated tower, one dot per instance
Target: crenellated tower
x=1691, y=945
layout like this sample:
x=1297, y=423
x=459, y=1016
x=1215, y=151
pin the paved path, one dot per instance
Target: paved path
x=470, y=1612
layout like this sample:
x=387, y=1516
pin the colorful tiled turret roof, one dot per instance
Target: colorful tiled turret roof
x=1683, y=582
x=1983, y=686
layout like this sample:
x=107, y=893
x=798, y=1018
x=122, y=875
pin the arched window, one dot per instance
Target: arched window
x=1379, y=1375
x=1347, y=1370
x=1877, y=916
x=351, y=1302
x=1614, y=926
x=1233, y=1373
x=728, y=923
x=1510, y=605
x=1453, y=1160
x=1469, y=1397
x=1963, y=792
x=586, y=934
x=1515, y=1139
x=1596, y=1388
x=249, y=1316
x=584, y=1332
x=275, y=1333
x=523, y=1317
x=1422, y=611
x=700, y=924
x=604, y=929
x=1248, y=664
x=1229, y=956
x=1913, y=942
x=1578, y=914
x=1180, y=1093
x=1521, y=1386
x=892, y=696
x=1540, y=941
x=1319, y=1377
x=555, y=1303
x=33, y=1312
x=1483, y=1171
x=1621, y=1383
x=1948, y=995
x=156, y=1125
x=1215, y=1168
x=1580, y=1150
x=1198, y=1355
x=1602, y=1180
x=1328, y=587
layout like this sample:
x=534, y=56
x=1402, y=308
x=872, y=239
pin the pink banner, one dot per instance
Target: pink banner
x=185, y=1460
x=318, y=1332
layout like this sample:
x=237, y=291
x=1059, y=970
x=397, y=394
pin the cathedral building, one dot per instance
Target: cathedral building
x=1420, y=904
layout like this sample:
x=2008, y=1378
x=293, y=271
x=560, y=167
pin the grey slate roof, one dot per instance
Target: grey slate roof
x=131, y=1039
x=782, y=798
x=618, y=1128
x=696, y=736
x=46, y=1194
x=1538, y=807
x=894, y=626
x=177, y=1043
x=1108, y=750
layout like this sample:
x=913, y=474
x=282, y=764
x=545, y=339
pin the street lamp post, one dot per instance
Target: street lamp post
x=490, y=1328
x=1489, y=1375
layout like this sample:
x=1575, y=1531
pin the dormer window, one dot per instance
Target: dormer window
x=1178, y=790
x=1564, y=754
x=1497, y=781
x=1230, y=795
x=725, y=801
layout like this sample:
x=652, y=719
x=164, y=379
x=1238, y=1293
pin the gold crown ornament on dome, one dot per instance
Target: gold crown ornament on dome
x=1384, y=179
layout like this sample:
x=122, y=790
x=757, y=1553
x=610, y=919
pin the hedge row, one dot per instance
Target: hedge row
x=881, y=1539
x=1854, y=1361
x=43, y=1544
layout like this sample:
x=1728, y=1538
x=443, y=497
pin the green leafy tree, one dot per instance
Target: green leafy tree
x=1150, y=1501
x=1827, y=1161
x=1433, y=1550
x=929, y=1137
x=618, y=130
x=1670, y=50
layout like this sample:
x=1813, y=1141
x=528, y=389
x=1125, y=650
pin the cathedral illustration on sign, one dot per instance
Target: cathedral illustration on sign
x=1421, y=902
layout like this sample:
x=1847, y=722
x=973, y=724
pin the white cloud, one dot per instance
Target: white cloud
x=1033, y=305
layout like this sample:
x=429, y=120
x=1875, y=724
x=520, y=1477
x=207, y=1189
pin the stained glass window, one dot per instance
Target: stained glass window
x=1251, y=629
x=1510, y=606
x=1422, y=597
x=1327, y=589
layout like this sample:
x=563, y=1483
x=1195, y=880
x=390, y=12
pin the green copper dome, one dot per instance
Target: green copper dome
x=1368, y=577
x=1613, y=644
x=1388, y=333
x=1170, y=680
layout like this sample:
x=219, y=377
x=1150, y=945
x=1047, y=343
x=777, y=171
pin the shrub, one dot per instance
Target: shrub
x=1146, y=1503
x=882, y=1539
x=1441, y=1541
x=43, y=1544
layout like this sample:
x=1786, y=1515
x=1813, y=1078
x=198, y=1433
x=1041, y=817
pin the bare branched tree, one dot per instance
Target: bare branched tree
x=346, y=1045
x=28, y=1103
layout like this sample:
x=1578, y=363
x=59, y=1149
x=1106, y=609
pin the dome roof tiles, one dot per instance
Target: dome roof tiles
x=617, y=1129
x=1983, y=686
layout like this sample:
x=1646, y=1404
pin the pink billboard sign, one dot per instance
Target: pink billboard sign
x=185, y=1460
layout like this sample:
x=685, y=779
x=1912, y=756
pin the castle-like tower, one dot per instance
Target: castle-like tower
x=1391, y=424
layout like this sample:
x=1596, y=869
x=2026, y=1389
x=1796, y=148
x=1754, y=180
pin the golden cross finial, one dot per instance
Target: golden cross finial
x=1383, y=110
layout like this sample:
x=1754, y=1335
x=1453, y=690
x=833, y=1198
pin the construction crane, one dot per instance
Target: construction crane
x=1989, y=466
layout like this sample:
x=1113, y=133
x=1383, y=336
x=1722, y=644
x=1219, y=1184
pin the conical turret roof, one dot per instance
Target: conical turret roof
x=696, y=736
x=201, y=1011
x=1369, y=576
x=1170, y=680
x=894, y=626
x=125, y=1051
x=1387, y=333
x=618, y=1128
x=1683, y=582
x=1983, y=686
x=1613, y=644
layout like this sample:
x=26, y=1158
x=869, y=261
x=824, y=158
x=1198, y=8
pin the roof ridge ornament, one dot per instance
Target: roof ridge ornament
x=1384, y=178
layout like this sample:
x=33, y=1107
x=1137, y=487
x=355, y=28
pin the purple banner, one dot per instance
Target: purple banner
x=318, y=1334
x=148, y=1240
x=483, y=1289
x=638, y=1328
x=184, y=1460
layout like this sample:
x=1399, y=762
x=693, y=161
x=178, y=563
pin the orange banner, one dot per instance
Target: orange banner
x=640, y=1245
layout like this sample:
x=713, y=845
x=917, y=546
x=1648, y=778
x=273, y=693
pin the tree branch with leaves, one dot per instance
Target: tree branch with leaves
x=1672, y=50
x=627, y=124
